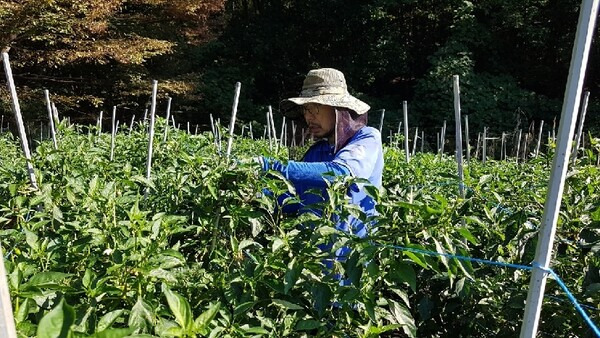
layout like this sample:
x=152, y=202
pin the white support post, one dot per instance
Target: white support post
x=268, y=131
x=273, y=131
x=113, y=133
x=50, y=117
x=443, y=137
x=100, y=122
x=525, y=146
x=539, y=142
x=405, y=113
x=467, y=139
x=503, y=148
x=131, y=124
x=518, y=145
x=381, y=121
x=55, y=114
x=151, y=135
x=458, y=119
x=484, y=145
x=251, y=132
x=422, y=140
x=7, y=321
x=212, y=126
x=169, y=99
x=477, y=145
x=281, y=135
x=585, y=30
x=16, y=108
x=293, y=143
x=586, y=97
x=414, y=148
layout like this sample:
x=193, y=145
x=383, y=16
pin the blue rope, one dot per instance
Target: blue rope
x=581, y=311
x=559, y=281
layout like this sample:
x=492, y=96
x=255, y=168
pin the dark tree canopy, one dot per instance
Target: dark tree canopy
x=512, y=55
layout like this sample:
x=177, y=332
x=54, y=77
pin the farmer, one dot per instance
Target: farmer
x=347, y=146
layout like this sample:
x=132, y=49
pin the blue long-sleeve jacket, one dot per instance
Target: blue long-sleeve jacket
x=361, y=157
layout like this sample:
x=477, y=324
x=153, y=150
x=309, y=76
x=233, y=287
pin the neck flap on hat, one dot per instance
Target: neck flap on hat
x=347, y=123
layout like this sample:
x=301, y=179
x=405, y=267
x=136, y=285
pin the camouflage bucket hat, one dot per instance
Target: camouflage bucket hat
x=326, y=86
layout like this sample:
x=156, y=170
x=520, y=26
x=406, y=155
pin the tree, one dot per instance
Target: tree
x=95, y=53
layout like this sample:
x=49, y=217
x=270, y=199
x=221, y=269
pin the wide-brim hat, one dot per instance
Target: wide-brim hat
x=326, y=86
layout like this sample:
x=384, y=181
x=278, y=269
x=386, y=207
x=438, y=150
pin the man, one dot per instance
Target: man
x=347, y=146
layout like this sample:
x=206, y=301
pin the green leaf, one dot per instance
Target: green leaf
x=108, y=319
x=114, y=333
x=322, y=295
x=242, y=308
x=201, y=323
x=467, y=234
x=291, y=275
x=57, y=323
x=141, y=316
x=47, y=279
x=404, y=273
x=287, y=305
x=180, y=308
x=277, y=244
x=306, y=325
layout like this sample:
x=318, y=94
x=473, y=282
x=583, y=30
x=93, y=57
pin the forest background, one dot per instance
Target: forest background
x=512, y=55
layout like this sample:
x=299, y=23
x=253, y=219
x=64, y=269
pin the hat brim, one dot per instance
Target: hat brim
x=292, y=107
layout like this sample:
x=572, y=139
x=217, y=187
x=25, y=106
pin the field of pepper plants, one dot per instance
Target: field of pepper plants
x=207, y=254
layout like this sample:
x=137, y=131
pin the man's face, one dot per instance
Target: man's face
x=320, y=119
